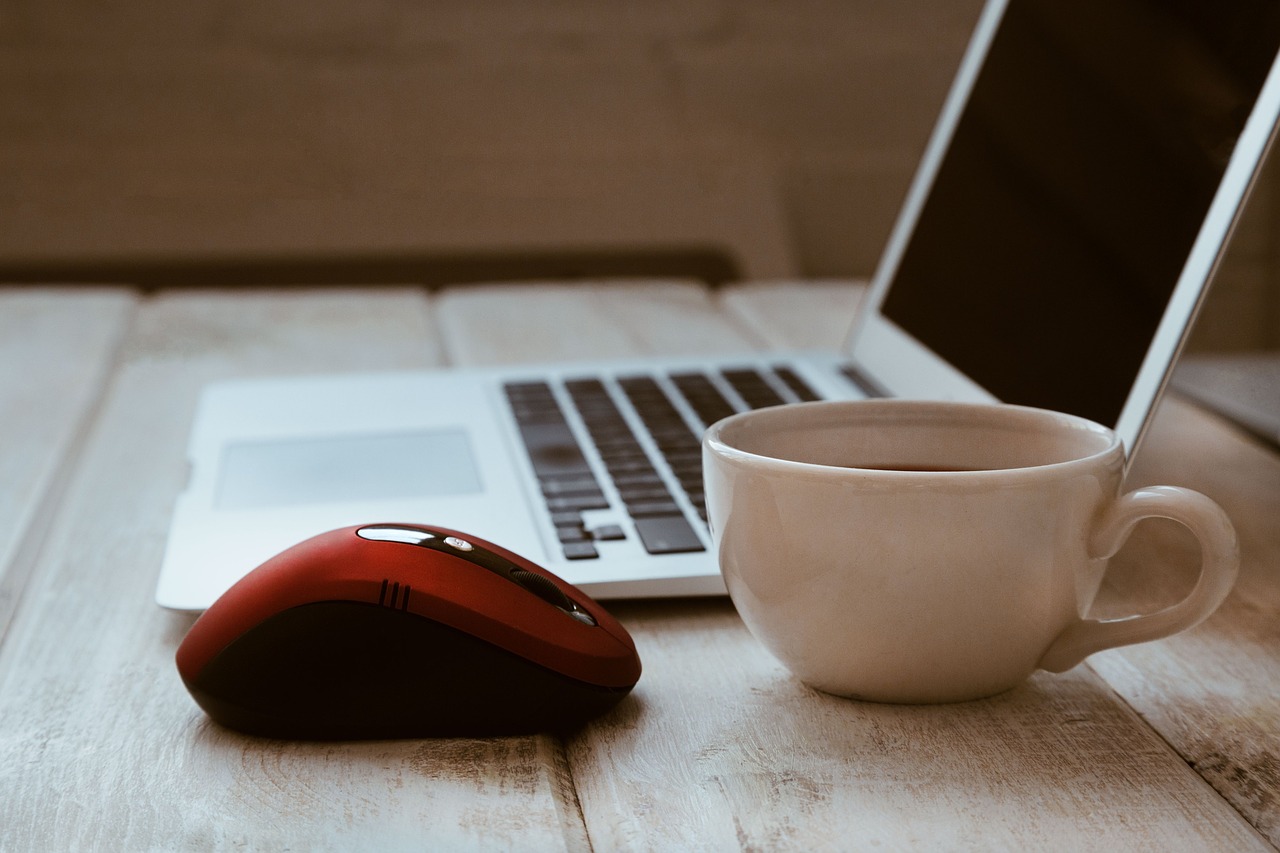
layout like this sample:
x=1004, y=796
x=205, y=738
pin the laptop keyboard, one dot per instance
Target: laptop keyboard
x=656, y=478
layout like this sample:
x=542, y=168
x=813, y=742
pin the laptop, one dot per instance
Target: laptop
x=1070, y=207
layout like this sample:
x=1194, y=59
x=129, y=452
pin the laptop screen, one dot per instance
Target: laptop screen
x=1074, y=186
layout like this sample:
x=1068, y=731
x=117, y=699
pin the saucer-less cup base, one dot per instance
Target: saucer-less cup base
x=870, y=576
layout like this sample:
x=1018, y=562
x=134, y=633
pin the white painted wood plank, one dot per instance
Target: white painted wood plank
x=1214, y=692
x=796, y=315
x=720, y=748
x=511, y=323
x=57, y=348
x=102, y=748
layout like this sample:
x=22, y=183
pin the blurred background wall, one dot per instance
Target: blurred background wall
x=274, y=141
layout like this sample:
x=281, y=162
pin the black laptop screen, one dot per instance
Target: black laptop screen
x=1074, y=186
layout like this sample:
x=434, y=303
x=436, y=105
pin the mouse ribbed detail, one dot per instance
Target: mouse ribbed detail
x=543, y=587
x=394, y=595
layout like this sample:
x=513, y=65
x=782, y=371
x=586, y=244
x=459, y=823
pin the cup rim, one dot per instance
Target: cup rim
x=716, y=445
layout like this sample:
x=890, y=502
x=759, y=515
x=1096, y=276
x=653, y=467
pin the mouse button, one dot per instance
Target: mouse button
x=543, y=587
x=547, y=589
x=394, y=533
x=459, y=544
x=472, y=553
x=493, y=557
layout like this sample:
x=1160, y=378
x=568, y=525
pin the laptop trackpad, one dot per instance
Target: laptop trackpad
x=364, y=467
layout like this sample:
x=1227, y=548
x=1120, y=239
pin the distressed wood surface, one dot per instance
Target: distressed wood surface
x=57, y=350
x=795, y=315
x=721, y=748
x=1214, y=692
x=100, y=745
x=718, y=748
x=506, y=324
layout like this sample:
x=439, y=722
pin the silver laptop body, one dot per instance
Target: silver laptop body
x=1071, y=206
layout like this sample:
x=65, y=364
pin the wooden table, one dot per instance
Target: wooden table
x=1170, y=745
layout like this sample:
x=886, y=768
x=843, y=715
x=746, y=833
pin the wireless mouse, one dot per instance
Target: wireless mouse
x=403, y=630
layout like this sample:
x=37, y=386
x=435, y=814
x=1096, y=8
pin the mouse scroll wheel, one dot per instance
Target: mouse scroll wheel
x=544, y=588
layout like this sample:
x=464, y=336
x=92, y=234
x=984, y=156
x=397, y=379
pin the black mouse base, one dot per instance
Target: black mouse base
x=348, y=671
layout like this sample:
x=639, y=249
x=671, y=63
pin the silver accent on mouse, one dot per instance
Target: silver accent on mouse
x=388, y=533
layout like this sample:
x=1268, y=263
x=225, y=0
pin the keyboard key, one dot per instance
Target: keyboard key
x=703, y=396
x=555, y=486
x=569, y=486
x=680, y=446
x=627, y=481
x=614, y=456
x=650, y=508
x=798, y=386
x=754, y=389
x=580, y=551
x=553, y=449
x=608, y=533
x=571, y=534
x=577, y=503
x=685, y=460
x=637, y=494
x=670, y=534
x=636, y=467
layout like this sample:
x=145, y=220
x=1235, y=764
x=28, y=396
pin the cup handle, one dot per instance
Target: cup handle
x=1219, y=566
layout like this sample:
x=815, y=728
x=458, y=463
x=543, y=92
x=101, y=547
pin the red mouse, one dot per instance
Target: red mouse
x=402, y=630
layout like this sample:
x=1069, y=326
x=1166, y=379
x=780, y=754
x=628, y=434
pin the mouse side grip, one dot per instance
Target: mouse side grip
x=339, y=670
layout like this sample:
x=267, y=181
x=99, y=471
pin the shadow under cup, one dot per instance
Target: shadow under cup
x=910, y=551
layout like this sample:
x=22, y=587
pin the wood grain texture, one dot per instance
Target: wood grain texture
x=510, y=323
x=723, y=748
x=720, y=748
x=100, y=745
x=796, y=315
x=134, y=132
x=57, y=351
x=1213, y=692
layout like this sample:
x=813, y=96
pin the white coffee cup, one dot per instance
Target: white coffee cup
x=871, y=574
